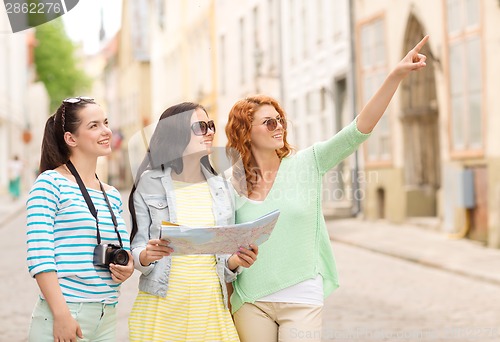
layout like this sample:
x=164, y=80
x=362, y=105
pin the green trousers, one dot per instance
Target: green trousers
x=97, y=321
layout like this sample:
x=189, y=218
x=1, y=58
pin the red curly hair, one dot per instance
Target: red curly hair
x=238, y=129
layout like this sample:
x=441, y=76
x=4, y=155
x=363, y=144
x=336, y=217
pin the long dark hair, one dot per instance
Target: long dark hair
x=168, y=142
x=54, y=151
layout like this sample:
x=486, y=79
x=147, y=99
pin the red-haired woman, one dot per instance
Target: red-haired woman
x=281, y=296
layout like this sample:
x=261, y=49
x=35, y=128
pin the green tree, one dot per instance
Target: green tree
x=57, y=65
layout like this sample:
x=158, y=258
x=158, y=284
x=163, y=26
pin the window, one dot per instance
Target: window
x=308, y=104
x=271, y=12
x=256, y=25
x=292, y=32
x=222, y=66
x=305, y=29
x=160, y=14
x=242, y=51
x=373, y=71
x=257, y=51
x=464, y=45
x=292, y=112
x=340, y=21
x=312, y=133
x=323, y=97
x=320, y=25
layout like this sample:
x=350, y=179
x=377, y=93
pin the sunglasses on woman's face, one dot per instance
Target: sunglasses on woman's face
x=78, y=99
x=201, y=127
x=272, y=123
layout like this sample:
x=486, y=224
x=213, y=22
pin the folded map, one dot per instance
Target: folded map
x=218, y=239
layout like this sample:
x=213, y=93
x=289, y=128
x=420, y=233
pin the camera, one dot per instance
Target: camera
x=110, y=254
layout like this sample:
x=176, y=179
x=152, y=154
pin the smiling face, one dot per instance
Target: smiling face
x=199, y=144
x=93, y=136
x=262, y=138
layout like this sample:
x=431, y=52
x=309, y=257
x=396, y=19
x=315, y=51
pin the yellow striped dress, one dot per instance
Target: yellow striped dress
x=193, y=309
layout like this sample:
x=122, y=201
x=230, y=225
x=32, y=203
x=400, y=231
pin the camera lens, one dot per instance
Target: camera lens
x=120, y=257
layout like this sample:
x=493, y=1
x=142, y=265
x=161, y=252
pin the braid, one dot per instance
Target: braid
x=63, y=117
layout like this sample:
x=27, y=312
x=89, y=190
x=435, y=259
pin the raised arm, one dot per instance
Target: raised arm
x=376, y=106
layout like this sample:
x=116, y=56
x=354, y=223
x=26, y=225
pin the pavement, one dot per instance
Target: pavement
x=406, y=241
x=413, y=243
x=10, y=208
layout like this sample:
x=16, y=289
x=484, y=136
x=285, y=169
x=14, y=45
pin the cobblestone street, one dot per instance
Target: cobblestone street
x=383, y=298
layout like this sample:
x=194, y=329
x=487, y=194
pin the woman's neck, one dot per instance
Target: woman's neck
x=86, y=168
x=267, y=167
x=267, y=162
x=191, y=171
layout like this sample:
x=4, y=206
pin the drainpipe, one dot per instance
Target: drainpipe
x=356, y=210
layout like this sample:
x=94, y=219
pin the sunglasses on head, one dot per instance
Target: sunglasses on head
x=201, y=127
x=73, y=100
x=272, y=123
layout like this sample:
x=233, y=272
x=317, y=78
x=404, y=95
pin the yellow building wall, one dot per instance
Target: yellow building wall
x=384, y=196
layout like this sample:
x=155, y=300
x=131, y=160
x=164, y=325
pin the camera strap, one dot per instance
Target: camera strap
x=90, y=204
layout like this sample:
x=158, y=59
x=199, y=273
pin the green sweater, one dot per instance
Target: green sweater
x=299, y=247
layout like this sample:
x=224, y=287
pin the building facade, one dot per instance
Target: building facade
x=24, y=104
x=317, y=82
x=183, y=55
x=298, y=52
x=128, y=95
x=434, y=154
x=433, y=158
x=249, y=52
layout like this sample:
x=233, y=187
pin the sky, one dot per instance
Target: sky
x=83, y=22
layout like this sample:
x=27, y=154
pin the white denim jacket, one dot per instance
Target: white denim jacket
x=154, y=201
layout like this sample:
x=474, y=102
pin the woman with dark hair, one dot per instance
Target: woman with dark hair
x=276, y=299
x=181, y=297
x=77, y=240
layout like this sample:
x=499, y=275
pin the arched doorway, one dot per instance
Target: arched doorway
x=420, y=122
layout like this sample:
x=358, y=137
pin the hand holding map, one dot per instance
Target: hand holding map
x=218, y=239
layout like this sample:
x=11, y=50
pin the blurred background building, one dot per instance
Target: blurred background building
x=24, y=104
x=435, y=154
x=434, y=158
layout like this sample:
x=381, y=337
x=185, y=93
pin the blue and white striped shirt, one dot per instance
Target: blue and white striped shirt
x=62, y=235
